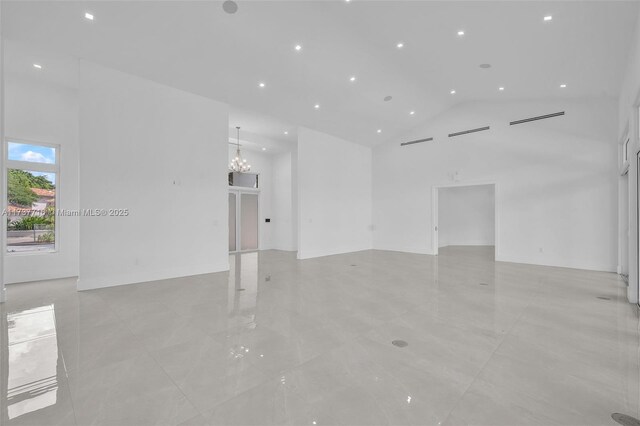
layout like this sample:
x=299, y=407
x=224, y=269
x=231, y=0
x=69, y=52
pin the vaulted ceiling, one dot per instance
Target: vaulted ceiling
x=198, y=47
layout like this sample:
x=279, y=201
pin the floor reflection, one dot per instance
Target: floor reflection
x=488, y=343
x=243, y=282
x=33, y=361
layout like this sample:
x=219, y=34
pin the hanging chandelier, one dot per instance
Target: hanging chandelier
x=239, y=164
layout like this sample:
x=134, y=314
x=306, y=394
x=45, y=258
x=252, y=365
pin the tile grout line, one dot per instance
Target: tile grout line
x=66, y=373
x=175, y=385
x=268, y=376
x=123, y=323
x=291, y=288
x=64, y=362
x=273, y=376
x=475, y=378
x=150, y=354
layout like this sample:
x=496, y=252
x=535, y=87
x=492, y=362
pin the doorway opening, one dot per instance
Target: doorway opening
x=623, y=261
x=464, y=219
x=243, y=220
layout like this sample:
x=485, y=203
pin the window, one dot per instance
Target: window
x=31, y=171
x=245, y=180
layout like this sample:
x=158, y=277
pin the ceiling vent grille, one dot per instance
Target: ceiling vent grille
x=540, y=117
x=416, y=141
x=466, y=132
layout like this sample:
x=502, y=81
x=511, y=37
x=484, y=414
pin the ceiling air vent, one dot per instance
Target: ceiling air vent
x=540, y=117
x=466, y=132
x=416, y=141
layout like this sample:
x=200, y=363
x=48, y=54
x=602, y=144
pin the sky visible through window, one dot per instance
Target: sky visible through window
x=34, y=154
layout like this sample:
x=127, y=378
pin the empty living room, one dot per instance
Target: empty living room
x=320, y=212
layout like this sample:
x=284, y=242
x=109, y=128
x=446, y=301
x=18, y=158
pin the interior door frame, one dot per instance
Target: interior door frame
x=434, y=211
x=637, y=237
x=624, y=241
x=238, y=191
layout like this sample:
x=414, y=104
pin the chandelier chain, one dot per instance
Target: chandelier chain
x=239, y=164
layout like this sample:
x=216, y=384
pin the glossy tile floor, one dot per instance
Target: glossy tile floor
x=280, y=341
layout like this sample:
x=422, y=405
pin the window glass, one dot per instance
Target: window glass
x=246, y=180
x=31, y=153
x=30, y=214
x=31, y=173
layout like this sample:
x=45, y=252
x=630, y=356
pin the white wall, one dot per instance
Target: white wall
x=162, y=154
x=334, y=193
x=295, y=200
x=555, y=180
x=466, y=216
x=40, y=108
x=283, y=236
x=628, y=123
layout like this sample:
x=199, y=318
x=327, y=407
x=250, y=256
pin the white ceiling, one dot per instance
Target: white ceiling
x=196, y=46
x=262, y=129
x=258, y=142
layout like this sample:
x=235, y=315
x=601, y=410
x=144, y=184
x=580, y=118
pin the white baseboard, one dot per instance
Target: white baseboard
x=149, y=275
x=284, y=248
x=403, y=249
x=302, y=255
x=570, y=265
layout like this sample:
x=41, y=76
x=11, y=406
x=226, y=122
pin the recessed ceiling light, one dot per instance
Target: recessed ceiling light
x=400, y=45
x=379, y=130
x=286, y=132
x=230, y=6
x=317, y=106
x=548, y=18
x=412, y=113
x=485, y=66
x=563, y=86
x=88, y=16
x=460, y=33
x=453, y=92
x=264, y=149
x=353, y=78
x=38, y=66
x=501, y=89
x=298, y=47
x=261, y=84
x=387, y=98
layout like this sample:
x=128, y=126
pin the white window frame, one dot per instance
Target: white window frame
x=35, y=167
